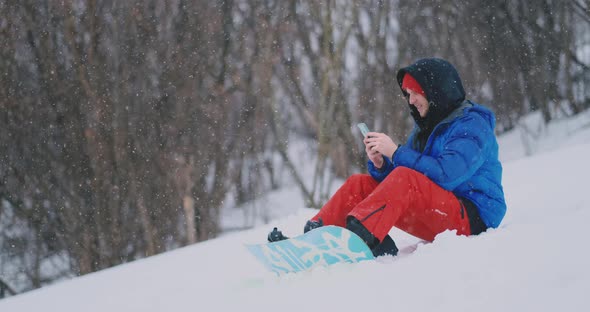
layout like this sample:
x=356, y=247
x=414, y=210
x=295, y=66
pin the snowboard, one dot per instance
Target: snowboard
x=322, y=246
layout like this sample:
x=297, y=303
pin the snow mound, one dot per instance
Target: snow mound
x=535, y=261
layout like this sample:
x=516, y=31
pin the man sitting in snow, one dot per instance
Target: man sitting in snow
x=446, y=177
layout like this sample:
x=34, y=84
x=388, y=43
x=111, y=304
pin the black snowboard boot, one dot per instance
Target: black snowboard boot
x=310, y=225
x=387, y=247
x=275, y=235
x=359, y=229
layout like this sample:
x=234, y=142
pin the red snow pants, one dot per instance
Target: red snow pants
x=405, y=199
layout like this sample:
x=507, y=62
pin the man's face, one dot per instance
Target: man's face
x=418, y=100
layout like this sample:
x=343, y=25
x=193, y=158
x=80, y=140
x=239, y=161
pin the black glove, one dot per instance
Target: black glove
x=276, y=236
x=310, y=225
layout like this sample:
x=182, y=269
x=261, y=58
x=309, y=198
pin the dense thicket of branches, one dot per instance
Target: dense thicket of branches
x=126, y=124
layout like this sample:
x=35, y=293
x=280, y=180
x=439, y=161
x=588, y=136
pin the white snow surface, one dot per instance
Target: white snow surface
x=537, y=260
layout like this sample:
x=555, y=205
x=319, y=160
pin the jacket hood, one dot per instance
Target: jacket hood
x=469, y=107
x=442, y=85
x=486, y=114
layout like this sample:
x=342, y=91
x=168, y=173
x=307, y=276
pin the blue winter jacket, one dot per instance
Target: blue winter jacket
x=460, y=155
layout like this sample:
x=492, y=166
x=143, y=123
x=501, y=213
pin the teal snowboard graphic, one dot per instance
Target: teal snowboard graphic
x=323, y=246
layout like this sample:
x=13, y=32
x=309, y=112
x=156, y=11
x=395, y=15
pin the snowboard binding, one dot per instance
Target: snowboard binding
x=276, y=236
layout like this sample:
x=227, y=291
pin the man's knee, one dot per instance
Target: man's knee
x=360, y=183
x=359, y=178
x=404, y=176
x=403, y=171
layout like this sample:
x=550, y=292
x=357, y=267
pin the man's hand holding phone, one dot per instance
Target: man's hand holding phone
x=376, y=145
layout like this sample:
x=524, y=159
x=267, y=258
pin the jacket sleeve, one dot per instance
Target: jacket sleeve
x=463, y=152
x=379, y=174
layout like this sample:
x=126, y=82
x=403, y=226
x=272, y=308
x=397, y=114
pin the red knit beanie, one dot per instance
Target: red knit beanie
x=410, y=83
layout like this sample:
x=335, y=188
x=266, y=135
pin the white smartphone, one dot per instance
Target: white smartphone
x=364, y=129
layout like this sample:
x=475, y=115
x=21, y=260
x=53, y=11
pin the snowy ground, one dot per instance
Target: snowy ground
x=535, y=261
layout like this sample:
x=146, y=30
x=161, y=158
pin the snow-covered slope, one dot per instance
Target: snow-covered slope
x=536, y=261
